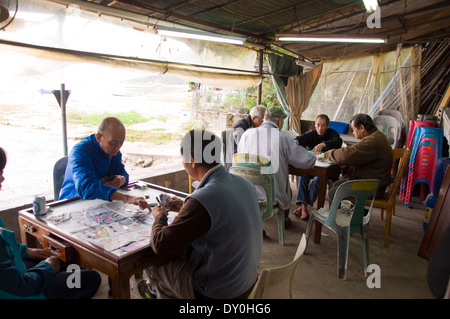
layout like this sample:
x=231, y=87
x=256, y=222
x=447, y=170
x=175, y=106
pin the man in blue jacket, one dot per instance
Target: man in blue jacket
x=95, y=169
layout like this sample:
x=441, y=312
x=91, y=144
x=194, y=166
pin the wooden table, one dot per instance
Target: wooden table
x=323, y=171
x=72, y=245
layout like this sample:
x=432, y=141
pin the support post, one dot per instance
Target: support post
x=261, y=61
x=62, y=96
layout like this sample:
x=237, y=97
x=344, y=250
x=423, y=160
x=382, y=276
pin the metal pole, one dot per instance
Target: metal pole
x=63, y=117
x=261, y=61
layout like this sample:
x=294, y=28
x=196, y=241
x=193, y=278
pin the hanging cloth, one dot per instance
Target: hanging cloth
x=298, y=92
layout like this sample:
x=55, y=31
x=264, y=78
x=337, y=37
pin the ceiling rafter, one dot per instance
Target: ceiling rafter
x=214, y=8
x=286, y=27
x=263, y=16
x=383, y=19
x=259, y=20
x=181, y=17
x=180, y=4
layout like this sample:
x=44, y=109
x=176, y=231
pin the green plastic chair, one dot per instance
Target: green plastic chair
x=249, y=167
x=344, y=222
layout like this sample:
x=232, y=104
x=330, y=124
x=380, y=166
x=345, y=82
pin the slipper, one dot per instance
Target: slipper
x=298, y=212
x=304, y=216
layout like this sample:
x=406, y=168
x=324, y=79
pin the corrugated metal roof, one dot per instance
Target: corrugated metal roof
x=402, y=21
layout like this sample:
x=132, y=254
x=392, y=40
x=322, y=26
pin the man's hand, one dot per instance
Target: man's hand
x=54, y=262
x=320, y=157
x=116, y=182
x=38, y=253
x=318, y=148
x=158, y=211
x=139, y=201
x=174, y=204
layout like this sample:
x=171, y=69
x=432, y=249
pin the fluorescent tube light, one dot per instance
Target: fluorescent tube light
x=371, y=5
x=200, y=35
x=329, y=38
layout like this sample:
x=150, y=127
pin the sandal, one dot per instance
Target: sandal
x=304, y=216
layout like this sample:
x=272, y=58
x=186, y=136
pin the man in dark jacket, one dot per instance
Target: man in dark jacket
x=254, y=119
x=320, y=139
x=370, y=158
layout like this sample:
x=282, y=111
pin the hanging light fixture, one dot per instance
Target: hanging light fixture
x=200, y=35
x=371, y=5
x=357, y=38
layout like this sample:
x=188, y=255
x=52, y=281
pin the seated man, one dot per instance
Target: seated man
x=219, y=224
x=95, y=169
x=254, y=119
x=371, y=157
x=281, y=150
x=320, y=139
x=34, y=273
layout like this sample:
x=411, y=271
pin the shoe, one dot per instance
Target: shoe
x=298, y=212
x=144, y=291
x=287, y=223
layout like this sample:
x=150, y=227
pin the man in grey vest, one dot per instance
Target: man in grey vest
x=217, y=233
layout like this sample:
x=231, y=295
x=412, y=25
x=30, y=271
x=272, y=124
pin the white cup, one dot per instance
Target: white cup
x=346, y=204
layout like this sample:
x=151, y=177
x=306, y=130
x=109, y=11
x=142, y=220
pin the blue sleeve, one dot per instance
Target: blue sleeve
x=117, y=167
x=87, y=183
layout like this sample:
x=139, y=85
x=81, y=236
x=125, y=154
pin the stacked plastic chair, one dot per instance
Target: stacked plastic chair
x=412, y=128
x=430, y=201
x=409, y=142
x=427, y=150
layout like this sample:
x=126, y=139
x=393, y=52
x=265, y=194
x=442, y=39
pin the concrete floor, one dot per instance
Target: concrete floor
x=403, y=272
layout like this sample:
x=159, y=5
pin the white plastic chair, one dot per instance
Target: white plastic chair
x=276, y=282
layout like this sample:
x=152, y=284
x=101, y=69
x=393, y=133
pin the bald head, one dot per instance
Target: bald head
x=109, y=124
x=111, y=135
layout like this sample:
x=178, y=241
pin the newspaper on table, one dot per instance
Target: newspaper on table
x=115, y=226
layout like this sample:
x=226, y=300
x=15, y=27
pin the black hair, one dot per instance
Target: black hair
x=203, y=146
x=363, y=119
x=325, y=117
x=2, y=159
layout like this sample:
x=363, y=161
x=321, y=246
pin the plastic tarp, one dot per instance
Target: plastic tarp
x=82, y=37
x=368, y=85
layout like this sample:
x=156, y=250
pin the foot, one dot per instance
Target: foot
x=144, y=291
x=305, y=213
x=298, y=212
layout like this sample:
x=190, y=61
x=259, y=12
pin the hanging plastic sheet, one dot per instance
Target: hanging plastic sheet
x=83, y=37
x=368, y=85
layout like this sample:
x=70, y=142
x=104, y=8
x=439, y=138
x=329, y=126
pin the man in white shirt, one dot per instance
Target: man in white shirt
x=281, y=150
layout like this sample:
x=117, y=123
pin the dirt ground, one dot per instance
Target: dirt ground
x=31, y=133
